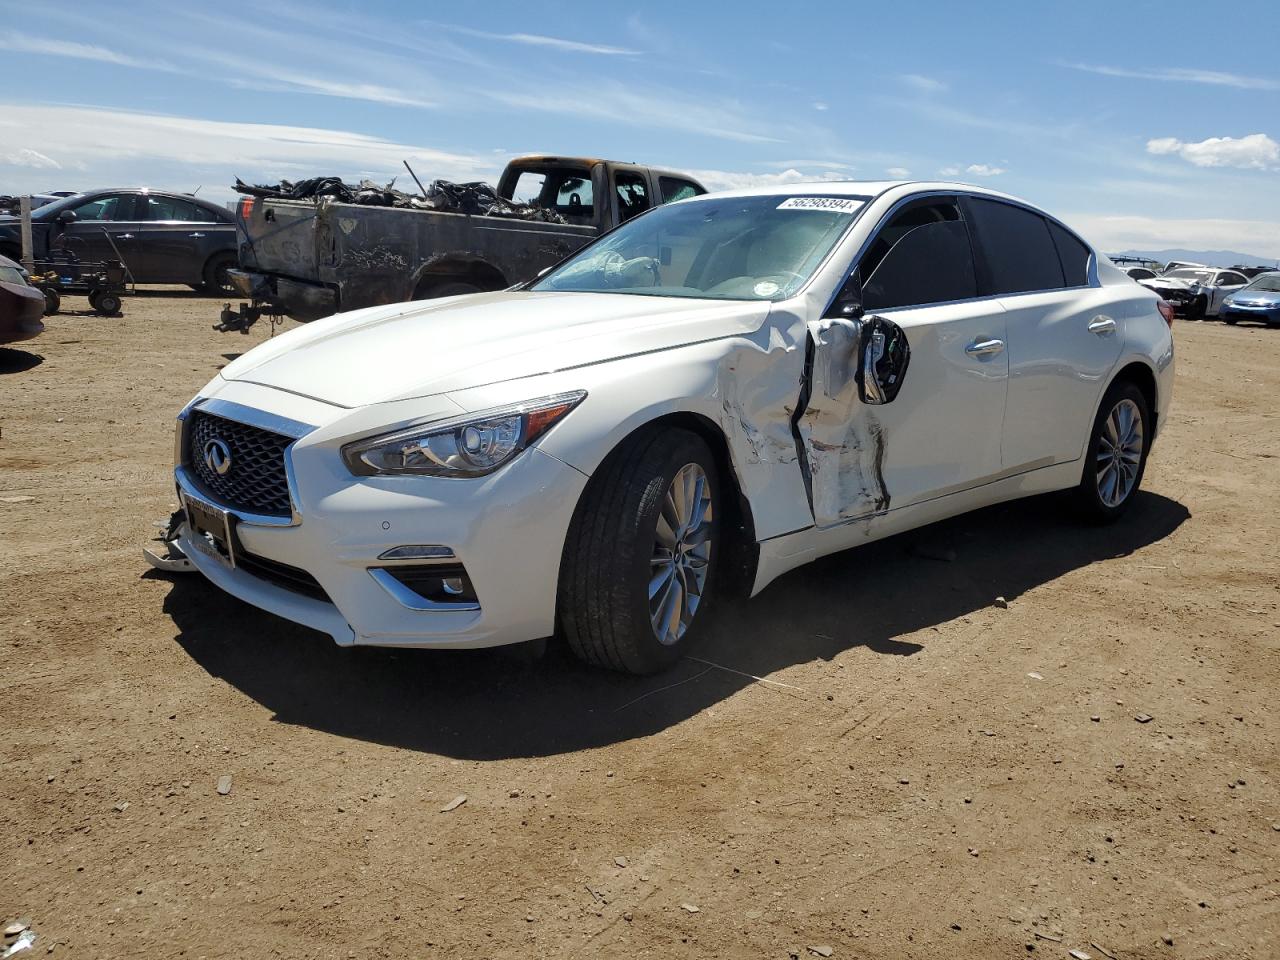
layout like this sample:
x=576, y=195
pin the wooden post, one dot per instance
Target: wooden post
x=28, y=253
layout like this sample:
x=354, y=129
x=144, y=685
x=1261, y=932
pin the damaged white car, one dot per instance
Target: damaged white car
x=719, y=391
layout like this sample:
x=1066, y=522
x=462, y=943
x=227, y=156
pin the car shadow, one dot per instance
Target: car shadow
x=491, y=704
x=18, y=361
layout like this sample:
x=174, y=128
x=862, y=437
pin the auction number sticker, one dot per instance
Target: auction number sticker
x=834, y=204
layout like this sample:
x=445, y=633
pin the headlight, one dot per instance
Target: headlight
x=469, y=446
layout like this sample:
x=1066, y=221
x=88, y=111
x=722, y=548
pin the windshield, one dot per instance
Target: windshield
x=51, y=210
x=1187, y=273
x=721, y=248
x=1266, y=283
x=12, y=275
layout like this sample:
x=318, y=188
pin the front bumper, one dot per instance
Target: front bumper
x=507, y=530
x=1269, y=315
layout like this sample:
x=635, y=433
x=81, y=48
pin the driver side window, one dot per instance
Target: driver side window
x=115, y=206
x=922, y=256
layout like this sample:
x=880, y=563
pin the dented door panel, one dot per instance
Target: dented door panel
x=939, y=434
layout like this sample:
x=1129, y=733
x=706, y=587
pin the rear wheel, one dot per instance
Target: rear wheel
x=639, y=561
x=216, y=279
x=52, y=301
x=107, y=304
x=1116, y=456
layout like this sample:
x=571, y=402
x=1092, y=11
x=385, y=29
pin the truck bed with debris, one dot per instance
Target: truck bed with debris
x=319, y=247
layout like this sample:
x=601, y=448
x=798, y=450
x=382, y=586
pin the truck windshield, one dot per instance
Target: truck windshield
x=721, y=248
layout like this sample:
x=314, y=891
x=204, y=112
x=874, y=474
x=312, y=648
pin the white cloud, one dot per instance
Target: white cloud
x=1214, y=78
x=984, y=170
x=24, y=43
x=540, y=40
x=898, y=173
x=1254, y=152
x=949, y=172
x=1108, y=232
x=736, y=180
x=819, y=105
x=922, y=83
x=30, y=158
x=116, y=146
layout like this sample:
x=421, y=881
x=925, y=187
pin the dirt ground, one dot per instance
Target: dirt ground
x=872, y=757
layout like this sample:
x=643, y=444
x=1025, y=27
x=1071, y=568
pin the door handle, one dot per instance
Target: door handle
x=124, y=236
x=195, y=235
x=1102, y=326
x=984, y=348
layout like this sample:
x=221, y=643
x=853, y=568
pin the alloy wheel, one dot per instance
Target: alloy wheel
x=1119, y=453
x=681, y=554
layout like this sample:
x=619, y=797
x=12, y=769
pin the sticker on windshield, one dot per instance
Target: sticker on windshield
x=766, y=288
x=834, y=204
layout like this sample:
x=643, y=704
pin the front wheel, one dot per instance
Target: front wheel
x=1229, y=320
x=640, y=558
x=1116, y=456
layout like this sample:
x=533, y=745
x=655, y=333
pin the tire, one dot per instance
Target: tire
x=215, y=274
x=614, y=545
x=52, y=302
x=448, y=289
x=1229, y=320
x=107, y=304
x=1097, y=499
x=1196, y=308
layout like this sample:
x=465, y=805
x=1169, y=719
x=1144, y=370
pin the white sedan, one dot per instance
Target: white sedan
x=719, y=391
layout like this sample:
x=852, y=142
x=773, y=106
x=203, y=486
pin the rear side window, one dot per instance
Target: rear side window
x=633, y=196
x=171, y=208
x=1074, y=256
x=1018, y=250
x=673, y=188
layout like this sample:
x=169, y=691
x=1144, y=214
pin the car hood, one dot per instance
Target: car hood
x=1168, y=283
x=1256, y=298
x=419, y=349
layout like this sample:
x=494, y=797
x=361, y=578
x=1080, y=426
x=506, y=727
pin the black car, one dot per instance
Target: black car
x=161, y=237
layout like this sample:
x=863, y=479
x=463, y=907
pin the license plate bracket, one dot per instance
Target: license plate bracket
x=212, y=530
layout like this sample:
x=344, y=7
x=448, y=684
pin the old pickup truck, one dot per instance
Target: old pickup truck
x=314, y=257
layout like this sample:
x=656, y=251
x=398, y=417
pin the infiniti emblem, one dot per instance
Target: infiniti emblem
x=217, y=456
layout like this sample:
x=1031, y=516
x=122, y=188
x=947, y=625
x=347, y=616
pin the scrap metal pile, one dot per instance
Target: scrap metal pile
x=474, y=198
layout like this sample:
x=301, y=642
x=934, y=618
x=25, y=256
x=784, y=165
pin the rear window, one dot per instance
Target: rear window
x=674, y=189
x=1019, y=251
x=1074, y=256
x=172, y=208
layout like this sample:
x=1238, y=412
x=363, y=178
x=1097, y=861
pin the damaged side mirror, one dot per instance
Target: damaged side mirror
x=883, y=355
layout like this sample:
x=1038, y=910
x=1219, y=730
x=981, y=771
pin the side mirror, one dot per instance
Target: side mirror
x=883, y=355
x=848, y=302
x=67, y=216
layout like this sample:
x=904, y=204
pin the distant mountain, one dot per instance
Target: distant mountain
x=1210, y=258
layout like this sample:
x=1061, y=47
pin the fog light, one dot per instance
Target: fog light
x=453, y=586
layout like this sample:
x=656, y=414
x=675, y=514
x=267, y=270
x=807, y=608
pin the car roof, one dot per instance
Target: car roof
x=6, y=262
x=868, y=188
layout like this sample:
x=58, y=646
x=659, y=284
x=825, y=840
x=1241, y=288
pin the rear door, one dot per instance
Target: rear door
x=175, y=238
x=941, y=433
x=1064, y=338
x=631, y=195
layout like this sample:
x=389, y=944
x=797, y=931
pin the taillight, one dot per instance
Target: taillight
x=246, y=208
x=1166, y=311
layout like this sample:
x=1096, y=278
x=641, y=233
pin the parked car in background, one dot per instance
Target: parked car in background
x=21, y=305
x=1126, y=263
x=714, y=393
x=1196, y=292
x=1139, y=273
x=161, y=237
x=1259, y=301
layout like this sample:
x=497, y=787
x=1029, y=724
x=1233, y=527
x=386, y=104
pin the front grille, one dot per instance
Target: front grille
x=255, y=482
x=282, y=575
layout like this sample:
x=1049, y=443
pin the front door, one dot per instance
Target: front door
x=104, y=229
x=941, y=432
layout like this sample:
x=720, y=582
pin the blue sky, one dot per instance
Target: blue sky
x=1151, y=124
